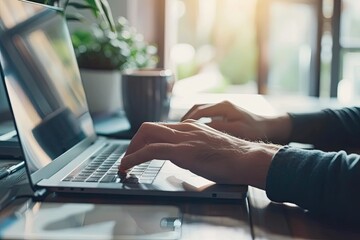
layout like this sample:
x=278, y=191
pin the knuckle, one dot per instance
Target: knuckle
x=146, y=126
x=226, y=103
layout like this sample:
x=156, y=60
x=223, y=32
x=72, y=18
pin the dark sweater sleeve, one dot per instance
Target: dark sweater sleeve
x=327, y=129
x=325, y=183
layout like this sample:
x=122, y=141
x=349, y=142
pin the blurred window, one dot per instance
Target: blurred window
x=222, y=45
x=215, y=46
x=349, y=85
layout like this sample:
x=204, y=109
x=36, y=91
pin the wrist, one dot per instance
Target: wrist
x=278, y=128
x=261, y=161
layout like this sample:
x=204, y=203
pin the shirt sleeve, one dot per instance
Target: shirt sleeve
x=327, y=129
x=325, y=183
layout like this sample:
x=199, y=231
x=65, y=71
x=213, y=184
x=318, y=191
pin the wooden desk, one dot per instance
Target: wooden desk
x=255, y=218
x=286, y=221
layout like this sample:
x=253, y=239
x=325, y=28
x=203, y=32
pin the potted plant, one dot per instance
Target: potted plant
x=102, y=55
x=104, y=48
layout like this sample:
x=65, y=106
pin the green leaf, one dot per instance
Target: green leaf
x=103, y=10
x=107, y=14
x=94, y=7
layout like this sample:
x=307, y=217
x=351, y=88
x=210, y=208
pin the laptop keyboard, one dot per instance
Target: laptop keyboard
x=103, y=167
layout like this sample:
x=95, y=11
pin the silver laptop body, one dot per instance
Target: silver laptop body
x=54, y=126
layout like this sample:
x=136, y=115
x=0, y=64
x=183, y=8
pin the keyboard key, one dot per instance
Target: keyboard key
x=146, y=180
x=67, y=179
x=156, y=163
x=93, y=179
x=109, y=178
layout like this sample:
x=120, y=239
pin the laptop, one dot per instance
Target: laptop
x=9, y=146
x=62, y=151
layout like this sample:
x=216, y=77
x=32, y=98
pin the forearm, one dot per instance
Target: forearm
x=278, y=129
x=327, y=129
x=324, y=183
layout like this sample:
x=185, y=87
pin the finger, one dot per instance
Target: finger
x=152, y=151
x=185, y=126
x=188, y=128
x=189, y=121
x=150, y=133
x=160, y=133
x=193, y=108
x=209, y=110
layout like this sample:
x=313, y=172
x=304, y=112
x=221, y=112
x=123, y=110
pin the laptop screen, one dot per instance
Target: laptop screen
x=3, y=101
x=42, y=81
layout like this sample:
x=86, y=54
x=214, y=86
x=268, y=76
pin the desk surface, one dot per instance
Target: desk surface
x=257, y=217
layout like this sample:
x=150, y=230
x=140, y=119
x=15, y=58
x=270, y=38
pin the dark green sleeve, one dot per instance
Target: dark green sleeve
x=328, y=129
x=325, y=183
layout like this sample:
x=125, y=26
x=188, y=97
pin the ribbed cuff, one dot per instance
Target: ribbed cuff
x=286, y=181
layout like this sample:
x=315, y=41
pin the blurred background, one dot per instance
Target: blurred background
x=273, y=47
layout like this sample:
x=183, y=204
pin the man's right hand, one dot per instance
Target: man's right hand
x=203, y=150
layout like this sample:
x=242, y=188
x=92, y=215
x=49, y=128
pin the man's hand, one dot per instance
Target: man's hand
x=238, y=122
x=202, y=150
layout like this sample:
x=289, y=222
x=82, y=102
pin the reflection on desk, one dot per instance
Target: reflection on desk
x=201, y=219
x=92, y=221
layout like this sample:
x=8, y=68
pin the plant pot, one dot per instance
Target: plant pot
x=103, y=90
